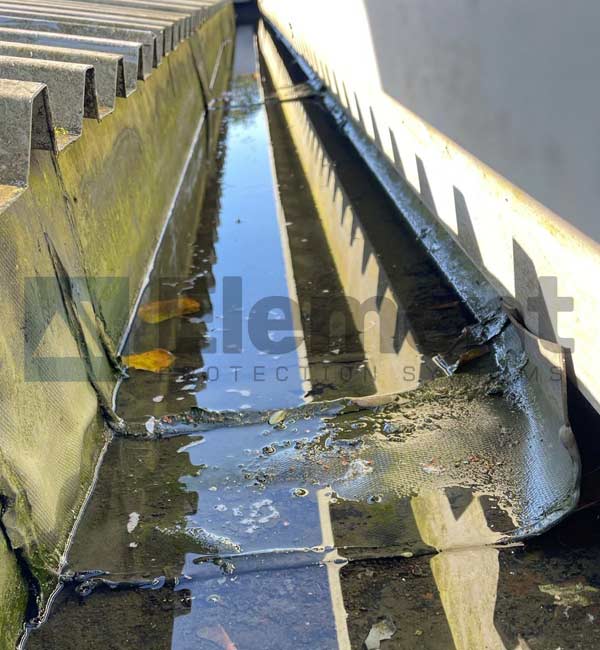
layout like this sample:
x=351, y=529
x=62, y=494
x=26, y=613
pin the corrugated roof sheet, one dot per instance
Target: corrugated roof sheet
x=63, y=60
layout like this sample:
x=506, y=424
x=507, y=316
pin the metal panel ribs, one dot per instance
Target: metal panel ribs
x=63, y=61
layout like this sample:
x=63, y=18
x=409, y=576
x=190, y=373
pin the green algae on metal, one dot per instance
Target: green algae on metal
x=66, y=237
x=13, y=592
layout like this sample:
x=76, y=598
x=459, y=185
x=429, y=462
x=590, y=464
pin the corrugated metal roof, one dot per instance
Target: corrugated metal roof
x=63, y=60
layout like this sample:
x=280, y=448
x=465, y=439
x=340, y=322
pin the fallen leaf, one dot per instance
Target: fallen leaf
x=161, y=310
x=153, y=360
x=217, y=635
x=449, y=368
x=472, y=354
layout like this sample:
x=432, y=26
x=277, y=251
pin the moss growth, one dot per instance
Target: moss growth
x=14, y=598
x=88, y=222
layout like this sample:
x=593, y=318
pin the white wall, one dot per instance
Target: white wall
x=490, y=110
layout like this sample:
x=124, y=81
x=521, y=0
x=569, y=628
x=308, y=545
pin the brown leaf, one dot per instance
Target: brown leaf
x=472, y=354
x=160, y=310
x=153, y=360
x=218, y=636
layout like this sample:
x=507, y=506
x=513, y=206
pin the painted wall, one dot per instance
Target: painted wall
x=489, y=111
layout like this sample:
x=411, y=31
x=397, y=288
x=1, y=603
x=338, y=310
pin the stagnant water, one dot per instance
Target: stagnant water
x=253, y=505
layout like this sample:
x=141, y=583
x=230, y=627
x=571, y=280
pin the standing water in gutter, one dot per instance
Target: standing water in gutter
x=307, y=401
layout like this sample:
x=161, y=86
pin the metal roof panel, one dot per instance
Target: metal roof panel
x=63, y=60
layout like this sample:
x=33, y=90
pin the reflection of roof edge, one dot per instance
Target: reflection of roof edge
x=63, y=60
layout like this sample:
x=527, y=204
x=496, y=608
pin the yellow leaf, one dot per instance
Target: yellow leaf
x=153, y=360
x=160, y=310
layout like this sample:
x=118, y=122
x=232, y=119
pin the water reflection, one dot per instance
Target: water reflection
x=236, y=261
x=308, y=285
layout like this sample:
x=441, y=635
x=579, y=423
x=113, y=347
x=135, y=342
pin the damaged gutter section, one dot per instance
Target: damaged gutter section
x=86, y=186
